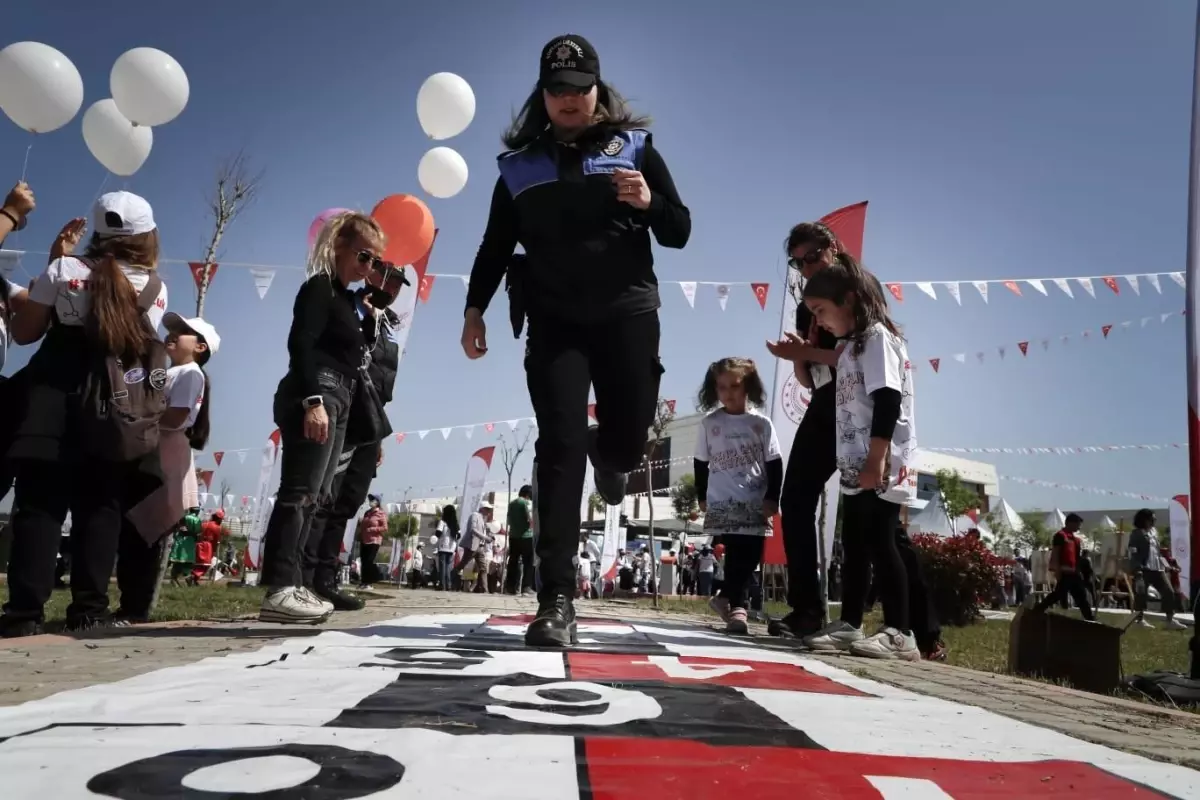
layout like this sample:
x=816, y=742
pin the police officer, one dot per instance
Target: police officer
x=581, y=188
x=357, y=464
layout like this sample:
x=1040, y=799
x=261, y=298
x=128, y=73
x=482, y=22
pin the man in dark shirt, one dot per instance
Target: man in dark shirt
x=581, y=189
x=1064, y=564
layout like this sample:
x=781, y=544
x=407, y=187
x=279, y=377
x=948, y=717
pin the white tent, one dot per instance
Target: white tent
x=1107, y=524
x=1002, y=510
x=932, y=519
x=1056, y=520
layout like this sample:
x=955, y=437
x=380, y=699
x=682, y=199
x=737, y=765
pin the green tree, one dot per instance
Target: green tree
x=957, y=497
x=595, y=503
x=684, y=497
x=1034, y=534
x=401, y=526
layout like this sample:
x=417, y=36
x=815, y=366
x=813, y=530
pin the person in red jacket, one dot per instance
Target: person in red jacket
x=210, y=536
x=371, y=529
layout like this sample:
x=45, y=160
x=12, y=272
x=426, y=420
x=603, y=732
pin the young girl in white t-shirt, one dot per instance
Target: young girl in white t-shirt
x=739, y=473
x=876, y=445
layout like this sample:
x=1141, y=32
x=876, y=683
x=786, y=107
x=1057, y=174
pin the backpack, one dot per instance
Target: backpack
x=122, y=403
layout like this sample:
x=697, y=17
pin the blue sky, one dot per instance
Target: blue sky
x=1022, y=139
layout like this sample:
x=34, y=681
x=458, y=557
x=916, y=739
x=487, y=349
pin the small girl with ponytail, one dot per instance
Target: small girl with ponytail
x=876, y=442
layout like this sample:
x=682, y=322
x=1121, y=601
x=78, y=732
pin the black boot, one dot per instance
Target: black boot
x=610, y=485
x=327, y=590
x=555, y=624
x=795, y=625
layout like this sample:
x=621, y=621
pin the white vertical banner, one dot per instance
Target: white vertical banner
x=789, y=402
x=478, y=466
x=405, y=305
x=588, y=480
x=348, y=539
x=1181, y=540
x=262, y=512
x=394, y=563
x=614, y=537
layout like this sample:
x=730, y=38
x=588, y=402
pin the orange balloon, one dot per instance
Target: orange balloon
x=408, y=223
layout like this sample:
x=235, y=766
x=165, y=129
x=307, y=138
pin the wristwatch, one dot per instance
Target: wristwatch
x=312, y=402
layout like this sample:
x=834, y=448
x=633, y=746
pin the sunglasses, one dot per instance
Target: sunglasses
x=565, y=90
x=811, y=257
x=388, y=278
x=366, y=257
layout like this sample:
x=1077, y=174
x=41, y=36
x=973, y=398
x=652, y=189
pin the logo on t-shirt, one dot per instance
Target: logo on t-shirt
x=794, y=399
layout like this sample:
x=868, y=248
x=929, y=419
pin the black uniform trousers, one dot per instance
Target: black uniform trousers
x=618, y=358
x=811, y=463
x=351, y=482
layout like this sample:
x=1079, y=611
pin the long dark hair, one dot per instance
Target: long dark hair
x=450, y=517
x=115, y=321
x=198, y=433
x=612, y=114
x=846, y=281
x=744, y=368
x=1143, y=518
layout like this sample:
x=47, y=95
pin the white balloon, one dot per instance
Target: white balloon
x=40, y=89
x=442, y=172
x=117, y=143
x=445, y=105
x=149, y=87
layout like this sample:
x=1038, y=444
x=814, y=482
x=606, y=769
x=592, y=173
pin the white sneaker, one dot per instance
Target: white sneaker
x=836, y=637
x=1144, y=623
x=888, y=643
x=310, y=596
x=720, y=605
x=288, y=604
x=1175, y=625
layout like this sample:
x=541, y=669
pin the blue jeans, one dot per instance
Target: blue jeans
x=445, y=570
x=306, y=475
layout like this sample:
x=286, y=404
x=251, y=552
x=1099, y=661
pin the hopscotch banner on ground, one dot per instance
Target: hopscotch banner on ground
x=456, y=706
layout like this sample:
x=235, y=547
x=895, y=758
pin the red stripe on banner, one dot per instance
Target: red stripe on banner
x=620, y=769
x=693, y=670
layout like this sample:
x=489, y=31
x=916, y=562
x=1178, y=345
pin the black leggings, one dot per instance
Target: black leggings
x=869, y=543
x=742, y=555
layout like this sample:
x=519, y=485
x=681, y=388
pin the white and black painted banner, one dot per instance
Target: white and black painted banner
x=456, y=706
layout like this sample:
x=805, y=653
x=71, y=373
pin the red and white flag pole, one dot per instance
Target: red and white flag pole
x=1193, y=333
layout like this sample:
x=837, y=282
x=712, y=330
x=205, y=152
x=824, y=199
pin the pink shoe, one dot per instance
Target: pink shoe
x=736, y=623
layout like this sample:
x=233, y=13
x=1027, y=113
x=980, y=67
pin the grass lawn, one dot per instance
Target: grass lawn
x=204, y=602
x=984, y=645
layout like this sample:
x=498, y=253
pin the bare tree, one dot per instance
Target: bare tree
x=237, y=188
x=664, y=415
x=510, y=453
x=225, y=487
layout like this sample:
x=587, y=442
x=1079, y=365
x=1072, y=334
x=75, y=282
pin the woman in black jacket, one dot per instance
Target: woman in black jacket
x=326, y=350
x=581, y=188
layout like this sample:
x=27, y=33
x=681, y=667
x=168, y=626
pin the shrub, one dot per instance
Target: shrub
x=961, y=573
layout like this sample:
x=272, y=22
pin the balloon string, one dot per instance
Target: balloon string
x=25, y=166
x=96, y=196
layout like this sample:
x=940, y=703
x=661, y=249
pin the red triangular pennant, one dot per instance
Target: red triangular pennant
x=1024, y=348
x=400, y=437
x=897, y=291
x=1112, y=284
x=217, y=456
x=935, y=362
x=760, y=294
x=206, y=476
x=1013, y=287
x=671, y=406
x=1105, y=329
x=425, y=288
x=197, y=269
x=848, y=224
x=489, y=426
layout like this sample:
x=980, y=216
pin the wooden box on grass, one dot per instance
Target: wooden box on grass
x=1086, y=655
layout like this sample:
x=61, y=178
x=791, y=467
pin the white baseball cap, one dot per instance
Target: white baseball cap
x=176, y=324
x=485, y=504
x=122, y=214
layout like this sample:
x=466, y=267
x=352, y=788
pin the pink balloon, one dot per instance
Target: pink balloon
x=314, y=230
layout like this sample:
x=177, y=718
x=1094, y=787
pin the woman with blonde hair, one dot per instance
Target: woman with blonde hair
x=326, y=349
x=105, y=305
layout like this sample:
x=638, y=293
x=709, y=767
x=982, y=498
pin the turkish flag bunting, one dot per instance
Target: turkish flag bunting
x=197, y=269
x=425, y=288
x=399, y=437
x=489, y=426
x=935, y=362
x=1024, y=347
x=217, y=456
x=671, y=406
x=1105, y=329
x=1112, y=284
x=1013, y=287
x=897, y=291
x=760, y=293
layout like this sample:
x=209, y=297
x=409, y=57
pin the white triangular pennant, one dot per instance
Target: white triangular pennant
x=1145, y=320
x=1178, y=278
x=927, y=288
x=1045, y=344
x=952, y=288
x=512, y=424
x=1166, y=316
x=1126, y=324
x=1152, y=279
x=466, y=281
x=229, y=499
x=1086, y=283
x=1062, y=284
x=1132, y=280
x=422, y=434
x=982, y=288
x=470, y=431
x=241, y=456
x=960, y=357
x=689, y=292
x=262, y=281
x=722, y=294
x=446, y=432
x=1037, y=284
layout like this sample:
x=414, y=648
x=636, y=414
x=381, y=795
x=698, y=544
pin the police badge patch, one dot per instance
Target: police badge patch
x=613, y=147
x=158, y=379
